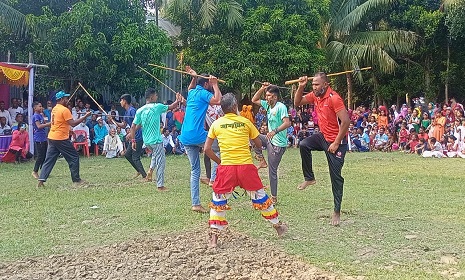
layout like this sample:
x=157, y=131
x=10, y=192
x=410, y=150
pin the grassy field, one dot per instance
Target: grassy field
x=401, y=213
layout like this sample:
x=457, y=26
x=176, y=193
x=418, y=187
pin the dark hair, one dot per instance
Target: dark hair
x=273, y=89
x=202, y=79
x=35, y=104
x=149, y=92
x=433, y=139
x=126, y=97
x=322, y=75
x=165, y=130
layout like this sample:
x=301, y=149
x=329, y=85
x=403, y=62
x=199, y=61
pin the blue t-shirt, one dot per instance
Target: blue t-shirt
x=193, y=129
x=129, y=116
x=39, y=133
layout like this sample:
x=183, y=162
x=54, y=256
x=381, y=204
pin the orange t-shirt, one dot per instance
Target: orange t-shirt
x=326, y=108
x=383, y=121
x=59, y=129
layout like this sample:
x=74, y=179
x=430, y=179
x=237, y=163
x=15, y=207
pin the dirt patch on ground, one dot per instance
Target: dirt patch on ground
x=183, y=256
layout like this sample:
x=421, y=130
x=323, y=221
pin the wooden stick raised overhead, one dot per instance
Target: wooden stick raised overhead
x=95, y=101
x=150, y=74
x=69, y=99
x=183, y=72
x=329, y=75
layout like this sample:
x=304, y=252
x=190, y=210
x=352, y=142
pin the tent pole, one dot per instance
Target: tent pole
x=30, y=109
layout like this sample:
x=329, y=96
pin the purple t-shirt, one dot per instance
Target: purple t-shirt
x=39, y=133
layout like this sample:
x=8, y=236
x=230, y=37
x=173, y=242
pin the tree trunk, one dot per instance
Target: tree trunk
x=349, y=90
x=446, y=82
x=428, y=78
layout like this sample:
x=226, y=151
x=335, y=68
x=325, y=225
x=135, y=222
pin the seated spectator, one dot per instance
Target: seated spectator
x=436, y=149
x=452, y=146
x=112, y=146
x=421, y=146
x=461, y=151
x=19, y=147
x=82, y=126
x=391, y=141
x=403, y=136
x=290, y=136
x=114, y=113
x=168, y=144
x=4, y=127
x=360, y=140
x=381, y=140
x=5, y=113
x=422, y=133
x=100, y=131
x=19, y=119
x=412, y=143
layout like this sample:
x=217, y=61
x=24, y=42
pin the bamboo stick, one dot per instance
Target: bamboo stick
x=183, y=72
x=329, y=75
x=150, y=74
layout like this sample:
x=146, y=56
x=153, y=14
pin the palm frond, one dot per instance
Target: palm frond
x=394, y=42
x=349, y=55
x=447, y=4
x=177, y=6
x=354, y=17
x=234, y=14
x=207, y=13
x=13, y=19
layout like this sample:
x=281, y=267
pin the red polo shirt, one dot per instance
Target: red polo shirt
x=326, y=108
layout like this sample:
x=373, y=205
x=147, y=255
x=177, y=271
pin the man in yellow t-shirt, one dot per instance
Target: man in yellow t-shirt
x=235, y=168
x=58, y=141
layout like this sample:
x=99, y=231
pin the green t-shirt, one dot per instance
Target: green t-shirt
x=275, y=117
x=148, y=116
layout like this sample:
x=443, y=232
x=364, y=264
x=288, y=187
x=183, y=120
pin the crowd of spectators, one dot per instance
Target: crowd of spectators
x=430, y=130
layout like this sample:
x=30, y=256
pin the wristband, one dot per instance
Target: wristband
x=276, y=131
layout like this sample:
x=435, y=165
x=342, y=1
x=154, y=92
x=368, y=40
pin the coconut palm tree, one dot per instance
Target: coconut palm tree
x=351, y=39
x=12, y=19
x=205, y=11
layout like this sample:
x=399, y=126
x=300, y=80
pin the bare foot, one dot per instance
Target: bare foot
x=213, y=241
x=262, y=164
x=40, y=184
x=305, y=184
x=148, y=178
x=35, y=175
x=162, y=189
x=336, y=219
x=199, y=209
x=280, y=228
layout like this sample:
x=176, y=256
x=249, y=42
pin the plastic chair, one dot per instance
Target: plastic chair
x=85, y=143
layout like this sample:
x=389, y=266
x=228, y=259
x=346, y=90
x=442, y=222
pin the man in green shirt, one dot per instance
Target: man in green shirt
x=275, y=140
x=148, y=117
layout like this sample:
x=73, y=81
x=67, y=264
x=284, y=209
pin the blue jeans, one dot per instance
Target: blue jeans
x=193, y=153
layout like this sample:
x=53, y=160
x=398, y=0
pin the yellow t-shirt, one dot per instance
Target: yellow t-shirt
x=233, y=133
x=59, y=129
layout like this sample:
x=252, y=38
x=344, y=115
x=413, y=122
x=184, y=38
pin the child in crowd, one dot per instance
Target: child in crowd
x=412, y=144
x=436, y=149
x=452, y=146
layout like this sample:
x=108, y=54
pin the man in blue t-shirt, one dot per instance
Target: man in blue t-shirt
x=132, y=155
x=193, y=134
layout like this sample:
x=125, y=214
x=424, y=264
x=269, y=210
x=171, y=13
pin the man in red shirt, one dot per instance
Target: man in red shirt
x=334, y=123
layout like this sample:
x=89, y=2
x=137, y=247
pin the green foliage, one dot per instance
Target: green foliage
x=275, y=43
x=98, y=43
x=455, y=20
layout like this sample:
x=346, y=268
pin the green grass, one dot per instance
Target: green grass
x=401, y=213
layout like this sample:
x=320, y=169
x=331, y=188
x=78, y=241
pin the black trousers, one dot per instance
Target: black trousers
x=55, y=147
x=133, y=156
x=19, y=155
x=41, y=148
x=317, y=142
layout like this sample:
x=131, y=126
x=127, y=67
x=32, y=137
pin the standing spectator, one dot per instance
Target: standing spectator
x=15, y=109
x=259, y=117
x=58, y=138
x=40, y=137
x=114, y=113
x=276, y=139
x=333, y=125
x=178, y=116
x=193, y=134
x=438, y=125
x=5, y=113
